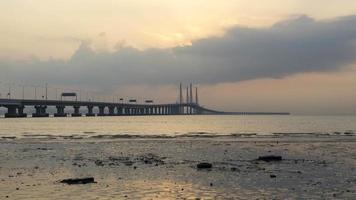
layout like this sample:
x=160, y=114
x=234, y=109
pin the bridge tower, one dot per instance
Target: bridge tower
x=181, y=108
x=196, y=96
x=191, y=98
x=187, y=101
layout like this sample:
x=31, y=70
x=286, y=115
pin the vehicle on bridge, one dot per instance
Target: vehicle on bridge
x=69, y=94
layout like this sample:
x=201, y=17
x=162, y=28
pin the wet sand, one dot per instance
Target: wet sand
x=166, y=168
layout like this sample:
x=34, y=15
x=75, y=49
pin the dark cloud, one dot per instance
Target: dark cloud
x=293, y=46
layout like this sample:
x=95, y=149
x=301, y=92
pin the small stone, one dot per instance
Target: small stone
x=273, y=176
x=270, y=158
x=204, y=166
x=78, y=181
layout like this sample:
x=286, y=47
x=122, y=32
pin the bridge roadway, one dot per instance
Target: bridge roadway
x=15, y=108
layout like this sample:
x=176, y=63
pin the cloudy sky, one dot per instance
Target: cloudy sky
x=245, y=55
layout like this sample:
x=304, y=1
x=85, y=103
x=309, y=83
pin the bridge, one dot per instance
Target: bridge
x=16, y=107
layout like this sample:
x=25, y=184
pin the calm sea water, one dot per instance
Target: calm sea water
x=176, y=125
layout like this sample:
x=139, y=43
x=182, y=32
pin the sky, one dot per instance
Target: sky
x=295, y=56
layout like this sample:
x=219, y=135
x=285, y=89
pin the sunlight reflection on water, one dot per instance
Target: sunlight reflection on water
x=177, y=125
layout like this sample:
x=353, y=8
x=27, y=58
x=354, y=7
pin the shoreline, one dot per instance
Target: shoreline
x=167, y=168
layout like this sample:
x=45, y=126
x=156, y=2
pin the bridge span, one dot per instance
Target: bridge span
x=15, y=109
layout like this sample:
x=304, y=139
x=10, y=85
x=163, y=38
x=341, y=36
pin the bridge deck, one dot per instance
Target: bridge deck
x=15, y=108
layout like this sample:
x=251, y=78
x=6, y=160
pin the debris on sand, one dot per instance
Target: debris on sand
x=151, y=159
x=270, y=158
x=78, y=181
x=204, y=165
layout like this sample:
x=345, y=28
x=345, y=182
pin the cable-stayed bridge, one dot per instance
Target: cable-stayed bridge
x=188, y=106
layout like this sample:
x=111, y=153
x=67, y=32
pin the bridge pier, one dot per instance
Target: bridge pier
x=15, y=111
x=11, y=112
x=181, y=109
x=119, y=111
x=157, y=112
x=90, y=111
x=40, y=111
x=60, y=112
x=133, y=111
x=20, y=111
x=177, y=110
x=101, y=111
x=111, y=110
x=170, y=110
x=127, y=110
x=76, y=112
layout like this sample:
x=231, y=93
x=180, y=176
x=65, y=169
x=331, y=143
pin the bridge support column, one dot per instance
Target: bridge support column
x=158, y=110
x=90, y=111
x=172, y=110
x=101, y=111
x=126, y=111
x=134, y=111
x=76, y=112
x=11, y=112
x=177, y=110
x=111, y=110
x=119, y=111
x=40, y=111
x=60, y=112
x=169, y=110
x=20, y=111
x=15, y=112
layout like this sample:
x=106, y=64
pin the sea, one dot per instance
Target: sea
x=201, y=126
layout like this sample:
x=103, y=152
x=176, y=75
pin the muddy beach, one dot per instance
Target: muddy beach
x=169, y=168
